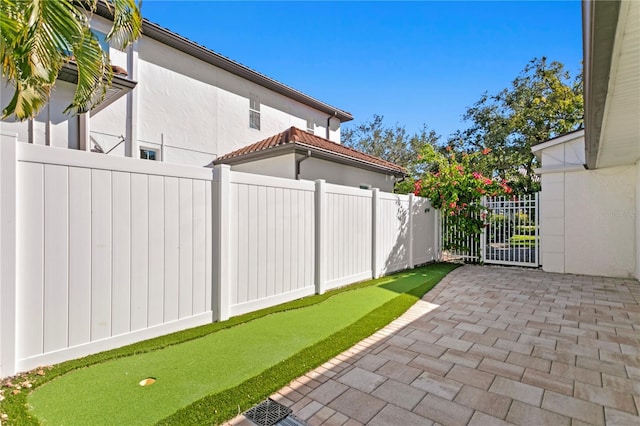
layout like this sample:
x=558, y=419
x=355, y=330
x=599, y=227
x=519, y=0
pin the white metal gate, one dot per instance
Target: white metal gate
x=511, y=235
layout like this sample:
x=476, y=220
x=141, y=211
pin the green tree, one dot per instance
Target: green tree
x=393, y=144
x=37, y=37
x=543, y=102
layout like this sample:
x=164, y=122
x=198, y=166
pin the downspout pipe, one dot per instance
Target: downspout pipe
x=307, y=155
x=335, y=114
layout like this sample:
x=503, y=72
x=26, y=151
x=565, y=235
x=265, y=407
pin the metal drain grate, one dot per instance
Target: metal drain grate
x=267, y=413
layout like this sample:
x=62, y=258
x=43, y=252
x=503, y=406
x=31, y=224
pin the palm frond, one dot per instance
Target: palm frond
x=127, y=22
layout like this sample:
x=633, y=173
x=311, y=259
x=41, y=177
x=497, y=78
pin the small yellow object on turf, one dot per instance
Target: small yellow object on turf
x=147, y=382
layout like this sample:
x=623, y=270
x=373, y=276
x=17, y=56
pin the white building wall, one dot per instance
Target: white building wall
x=588, y=218
x=196, y=110
x=600, y=222
x=283, y=166
x=340, y=174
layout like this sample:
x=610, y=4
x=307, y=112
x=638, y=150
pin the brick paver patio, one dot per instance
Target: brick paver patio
x=489, y=346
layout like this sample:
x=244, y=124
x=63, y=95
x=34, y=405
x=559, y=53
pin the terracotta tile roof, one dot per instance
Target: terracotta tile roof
x=297, y=137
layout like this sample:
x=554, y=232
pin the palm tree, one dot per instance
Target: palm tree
x=37, y=37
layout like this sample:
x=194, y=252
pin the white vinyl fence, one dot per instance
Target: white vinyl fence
x=98, y=251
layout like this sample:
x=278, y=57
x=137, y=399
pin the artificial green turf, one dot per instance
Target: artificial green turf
x=224, y=364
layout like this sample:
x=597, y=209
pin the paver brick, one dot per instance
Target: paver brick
x=528, y=394
x=573, y=407
x=620, y=384
x=371, y=362
x=524, y=414
x=553, y=355
x=452, y=343
x=483, y=339
x=471, y=376
x=548, y=381
x=392, y=415
x=432, y=365
x=338, y=419
x=309, y=410
x=398, y=354
x=437, y=385
x=328, y=391
x=576, y=373
x=606, y=397
x=357, y=405
x=361, y=379
x=501, y=369
x=487, y=402
x=481, y=419
x=613, y=368
x=443, y=411
x=400, y=394
x=527, y=361
x=321, y=416
x=489, y=352
x=616, y=417
x=400, y=372
x=467, y=359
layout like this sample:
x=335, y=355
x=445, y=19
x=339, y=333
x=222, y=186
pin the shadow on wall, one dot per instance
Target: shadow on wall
x=413, y=246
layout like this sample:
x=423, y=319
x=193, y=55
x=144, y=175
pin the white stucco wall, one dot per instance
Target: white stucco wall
x=62, y=131
x=201, y=111
x=283, y=166
x=340, y=174
x=587, y=217
x=313, y=168
x=197, y=110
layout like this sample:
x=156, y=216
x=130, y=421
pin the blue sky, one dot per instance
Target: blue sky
x=414, y=63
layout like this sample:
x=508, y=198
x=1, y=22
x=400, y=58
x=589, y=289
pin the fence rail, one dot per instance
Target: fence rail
x=100, y=251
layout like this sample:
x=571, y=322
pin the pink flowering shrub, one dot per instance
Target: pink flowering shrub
x=456, y=189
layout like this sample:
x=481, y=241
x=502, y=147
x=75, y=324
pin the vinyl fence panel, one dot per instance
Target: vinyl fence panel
x=424, y=221
x=85, y=252
x=348, y=235
x=393, y=229
x=271, y=241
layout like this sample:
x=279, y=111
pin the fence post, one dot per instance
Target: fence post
x=483, y=233
x=320, y=235
x=221, y=217
x=411, y=236
x=8, y=259
x=374, y=233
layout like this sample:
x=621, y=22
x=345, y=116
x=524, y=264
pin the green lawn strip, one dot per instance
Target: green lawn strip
x=217, y=408
x=15, y=405
x=527, y=241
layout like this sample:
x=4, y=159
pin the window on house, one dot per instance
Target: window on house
x=311, y=126
x=149, y=154
x=254, y=112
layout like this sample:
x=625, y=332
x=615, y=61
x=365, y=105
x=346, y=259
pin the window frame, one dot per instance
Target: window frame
x=142, y=148
x=254, y=112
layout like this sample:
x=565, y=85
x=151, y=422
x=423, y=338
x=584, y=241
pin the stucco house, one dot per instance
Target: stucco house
x=590, y=199
x=175, y=101
x=298, y=154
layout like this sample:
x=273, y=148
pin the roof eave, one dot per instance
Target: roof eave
x=120, y=86
x=599, y=22
x=302, y=148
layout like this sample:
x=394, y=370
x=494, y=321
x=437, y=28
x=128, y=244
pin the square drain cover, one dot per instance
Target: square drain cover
x=267, y=413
